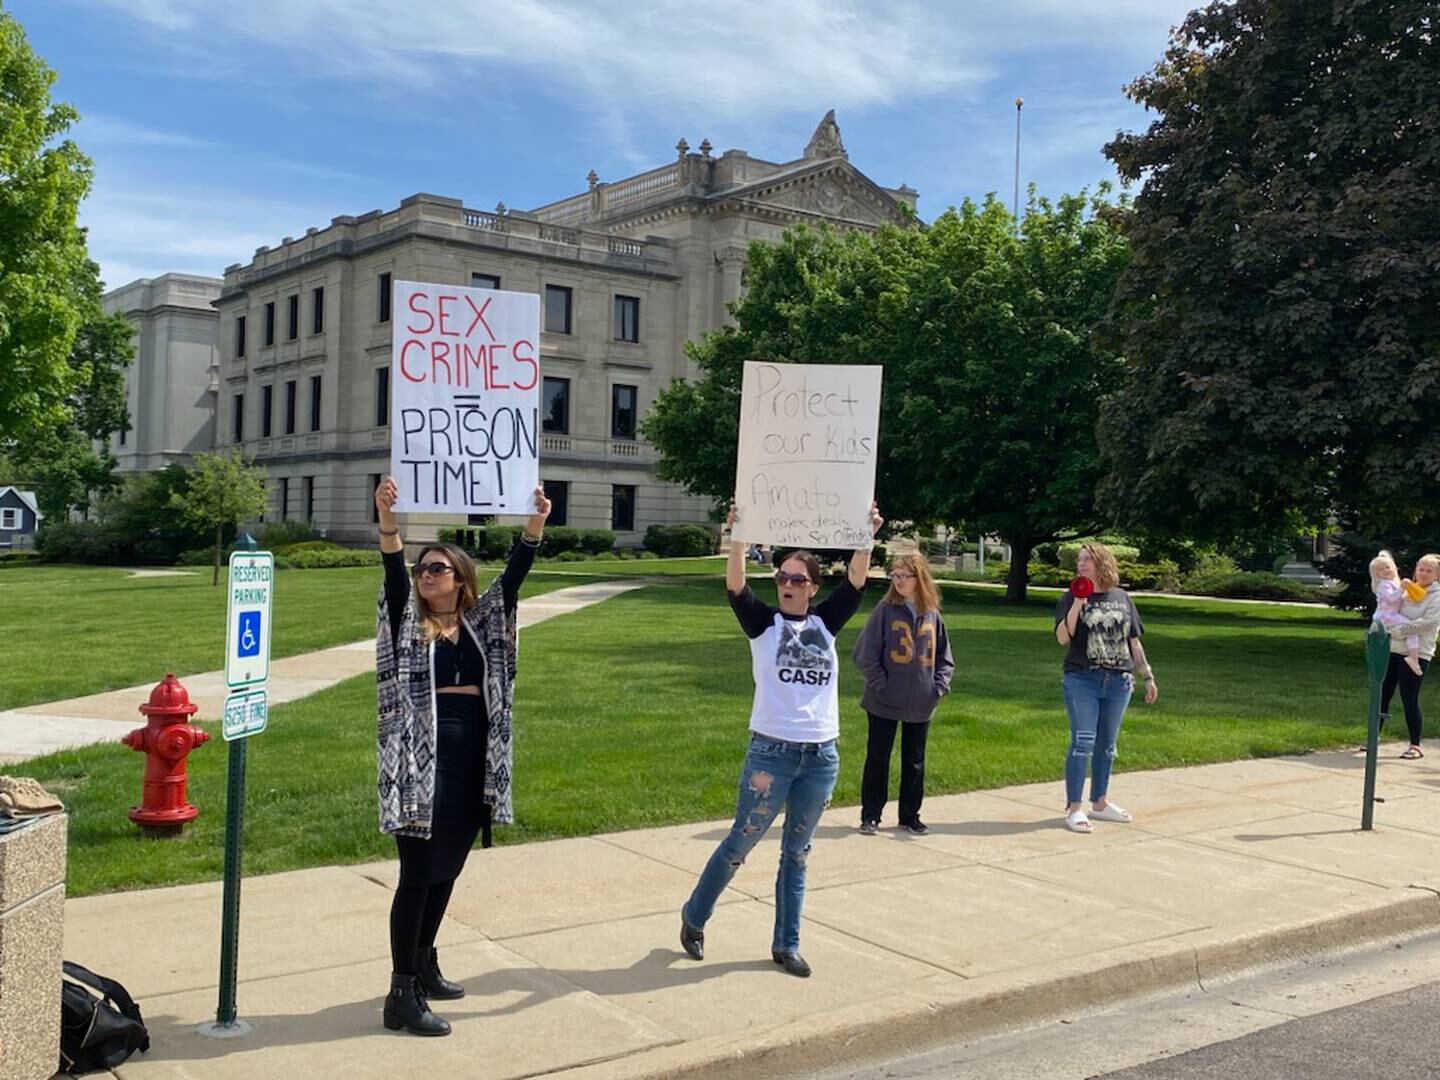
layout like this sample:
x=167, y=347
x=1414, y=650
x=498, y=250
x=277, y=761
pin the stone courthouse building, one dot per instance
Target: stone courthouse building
x=627, y=272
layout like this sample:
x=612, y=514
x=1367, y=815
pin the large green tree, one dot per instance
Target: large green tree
x=992, y=382
x=68, y=461
x=1282, y=307
x=43, y=178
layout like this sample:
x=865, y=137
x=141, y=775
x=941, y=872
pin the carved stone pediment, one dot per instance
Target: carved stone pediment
x=833, y=196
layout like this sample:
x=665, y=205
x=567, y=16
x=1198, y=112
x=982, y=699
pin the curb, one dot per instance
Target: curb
x=930, y=1014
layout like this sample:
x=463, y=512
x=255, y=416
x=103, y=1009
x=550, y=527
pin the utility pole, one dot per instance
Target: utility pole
x=1019, y=104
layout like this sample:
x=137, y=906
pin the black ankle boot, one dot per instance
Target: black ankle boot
x=406, y=1007
x=792, y=962
x=432, y=984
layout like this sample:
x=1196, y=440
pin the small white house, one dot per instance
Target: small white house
x=19, y=518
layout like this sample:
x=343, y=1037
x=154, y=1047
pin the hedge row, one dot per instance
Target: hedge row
x=493, y=542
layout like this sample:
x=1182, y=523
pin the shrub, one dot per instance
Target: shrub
x=309, y=545
x=198, y=557
x=679, y=541
x=596, y=541
x=1249, y=585
x=572, y=556
x=1162, y=576
x=328, y=558
x=18, y=558
x=278, y=534
x=1048, y=553
x=646, y=555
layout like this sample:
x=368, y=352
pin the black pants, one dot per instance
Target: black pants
x=875, y=781
x=428, y=868
x=1400, y=676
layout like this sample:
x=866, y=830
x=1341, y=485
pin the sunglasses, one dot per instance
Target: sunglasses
x=782, y=578
x=901, y=575
x=436, y=568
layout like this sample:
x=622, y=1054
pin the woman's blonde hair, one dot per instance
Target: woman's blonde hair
x=927, y=596
x=464, y=576
x=1107, y=573
x=1433, y=559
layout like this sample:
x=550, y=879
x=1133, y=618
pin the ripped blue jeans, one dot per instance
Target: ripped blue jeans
x=1096, y=703
x=797, y=776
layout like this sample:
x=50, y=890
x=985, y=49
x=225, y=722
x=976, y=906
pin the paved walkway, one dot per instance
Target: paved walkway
x=569, y=951
x=41, y=729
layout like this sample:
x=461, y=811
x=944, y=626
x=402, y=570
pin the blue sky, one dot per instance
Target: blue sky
x=220, y=125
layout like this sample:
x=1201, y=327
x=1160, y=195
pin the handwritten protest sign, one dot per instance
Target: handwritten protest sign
x=465, y=425
x=809, y=434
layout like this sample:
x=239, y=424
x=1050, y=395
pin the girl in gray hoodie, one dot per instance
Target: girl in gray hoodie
x=904, y=654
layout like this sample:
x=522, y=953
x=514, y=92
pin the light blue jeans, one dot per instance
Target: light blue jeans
x=1096, y=703
x=797, y=776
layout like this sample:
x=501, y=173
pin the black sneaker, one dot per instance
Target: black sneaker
x=692, y=940
x=918, y=827
x=869, y=828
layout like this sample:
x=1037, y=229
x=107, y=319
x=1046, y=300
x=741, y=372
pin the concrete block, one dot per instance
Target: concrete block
x=32, y=934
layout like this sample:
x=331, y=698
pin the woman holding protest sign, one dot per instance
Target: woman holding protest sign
x=445, y=677
x=1100, y=628
x=792, y=760
x=904, y=654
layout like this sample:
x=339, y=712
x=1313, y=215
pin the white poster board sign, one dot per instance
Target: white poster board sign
x=805, y=473
x=465, y=401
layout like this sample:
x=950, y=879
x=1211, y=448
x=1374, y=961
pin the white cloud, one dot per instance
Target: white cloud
x=145, y=233
x=100, y=130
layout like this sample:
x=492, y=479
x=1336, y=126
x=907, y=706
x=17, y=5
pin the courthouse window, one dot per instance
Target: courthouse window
x=383, y=297
x=292, y=322
x=557, y=309
x=484, y=281
x=290, y=407
x=317, y=310
x=627, y=318
x=382, y=396
x=622, y=507
x=559, y=494
x=622, y=412
x=240, y=337
x=237, y=425
x=267, y=410
x=270, y=323
x=555, y=408
x=314, y=402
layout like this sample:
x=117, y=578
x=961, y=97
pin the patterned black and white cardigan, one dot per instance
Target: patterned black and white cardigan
x=405, y=701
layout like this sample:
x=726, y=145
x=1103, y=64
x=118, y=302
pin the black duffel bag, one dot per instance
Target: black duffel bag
x=97, y=1032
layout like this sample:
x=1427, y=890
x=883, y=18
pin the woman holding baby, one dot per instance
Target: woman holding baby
x=1412, y=635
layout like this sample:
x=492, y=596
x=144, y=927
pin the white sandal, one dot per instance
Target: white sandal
x=1076, y=821
x=1111, y=813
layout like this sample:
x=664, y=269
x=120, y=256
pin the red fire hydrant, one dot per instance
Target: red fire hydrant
x=166, y=739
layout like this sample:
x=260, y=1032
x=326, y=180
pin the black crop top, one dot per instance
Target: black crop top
x=457, y=663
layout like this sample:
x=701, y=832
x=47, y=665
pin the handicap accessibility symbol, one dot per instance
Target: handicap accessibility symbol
x=248, y=638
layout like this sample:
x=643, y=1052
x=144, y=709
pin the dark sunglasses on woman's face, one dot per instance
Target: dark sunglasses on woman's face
x=437, y=568
x=782, y=578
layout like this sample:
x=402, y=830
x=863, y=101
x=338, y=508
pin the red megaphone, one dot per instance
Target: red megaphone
x=1082, y=586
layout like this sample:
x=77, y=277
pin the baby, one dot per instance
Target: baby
x=1389, y=592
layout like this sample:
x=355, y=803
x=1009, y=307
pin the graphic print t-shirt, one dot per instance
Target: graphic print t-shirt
x=794, y=663
x=1102, y=633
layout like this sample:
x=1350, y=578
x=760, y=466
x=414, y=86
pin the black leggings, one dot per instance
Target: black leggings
x=428, y=868
x=1400, y=676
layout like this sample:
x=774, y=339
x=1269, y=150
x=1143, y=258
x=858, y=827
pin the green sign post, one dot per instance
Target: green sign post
x=1377, y=661
x=247, y=666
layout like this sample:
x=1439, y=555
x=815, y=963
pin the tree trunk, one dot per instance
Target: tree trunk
x=1019, y=576
x=219, y=532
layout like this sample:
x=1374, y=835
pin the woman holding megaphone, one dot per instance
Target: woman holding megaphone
x=1097, y=623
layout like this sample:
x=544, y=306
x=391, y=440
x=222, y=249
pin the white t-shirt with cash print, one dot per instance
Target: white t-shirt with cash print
x=795, y=665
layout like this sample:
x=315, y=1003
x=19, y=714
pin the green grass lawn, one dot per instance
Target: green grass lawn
x=73, y=630
x=633, y=713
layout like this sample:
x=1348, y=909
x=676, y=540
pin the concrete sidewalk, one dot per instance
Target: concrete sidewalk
x=42, y=729
x=999, y=916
